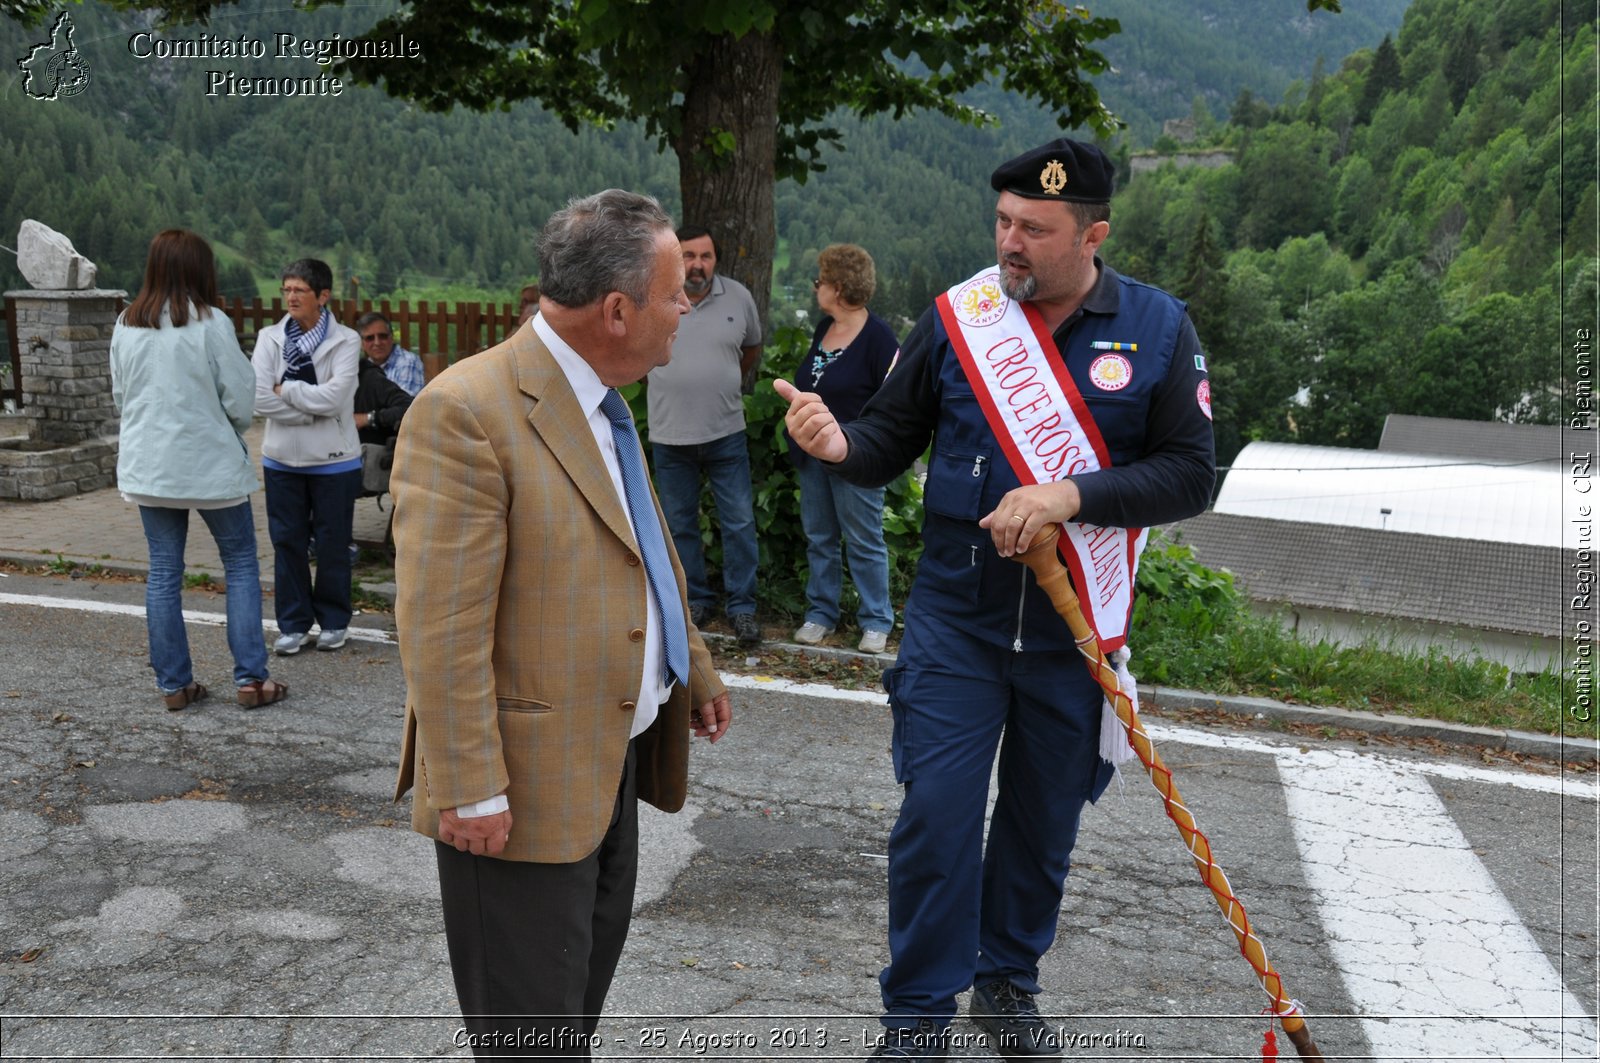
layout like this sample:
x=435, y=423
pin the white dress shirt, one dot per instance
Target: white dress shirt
x=590, y=392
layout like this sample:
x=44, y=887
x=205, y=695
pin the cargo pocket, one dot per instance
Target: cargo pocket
x=953, y=546
x=956, y=478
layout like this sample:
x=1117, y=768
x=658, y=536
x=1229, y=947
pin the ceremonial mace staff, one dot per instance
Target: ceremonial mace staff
x=1042, y=558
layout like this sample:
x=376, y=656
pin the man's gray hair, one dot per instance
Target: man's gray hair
x=600, y=244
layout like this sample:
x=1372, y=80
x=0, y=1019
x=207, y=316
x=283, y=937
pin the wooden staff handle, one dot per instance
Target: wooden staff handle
x=1045, y=562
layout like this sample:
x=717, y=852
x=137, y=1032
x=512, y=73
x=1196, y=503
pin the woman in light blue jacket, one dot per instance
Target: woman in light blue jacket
x=186, y=394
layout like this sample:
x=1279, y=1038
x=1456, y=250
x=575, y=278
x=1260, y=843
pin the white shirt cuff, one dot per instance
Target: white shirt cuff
x=487, y=807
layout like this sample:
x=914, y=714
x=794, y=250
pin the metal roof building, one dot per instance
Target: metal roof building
x=1457, y=496
x=1450, y=534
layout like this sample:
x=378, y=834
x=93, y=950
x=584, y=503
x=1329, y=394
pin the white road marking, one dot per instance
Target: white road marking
x=1431, y=951
x=1583, y=787
x=192, y=616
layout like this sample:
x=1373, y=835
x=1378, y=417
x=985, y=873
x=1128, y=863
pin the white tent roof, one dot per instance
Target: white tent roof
x=1423, y=493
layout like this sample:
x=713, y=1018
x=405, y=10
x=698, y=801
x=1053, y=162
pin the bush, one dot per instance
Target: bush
x=1183, y=617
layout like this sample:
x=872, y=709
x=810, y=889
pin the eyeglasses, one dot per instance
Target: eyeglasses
x=286, y=290
x=375, y=336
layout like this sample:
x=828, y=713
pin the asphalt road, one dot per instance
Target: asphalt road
x=221, y=883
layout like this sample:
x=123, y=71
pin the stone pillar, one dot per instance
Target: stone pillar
x=64, y=339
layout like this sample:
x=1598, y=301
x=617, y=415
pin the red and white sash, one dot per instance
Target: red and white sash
x=1046, y=432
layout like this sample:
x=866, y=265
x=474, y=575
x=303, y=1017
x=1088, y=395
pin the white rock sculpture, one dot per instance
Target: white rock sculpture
x=48, y=260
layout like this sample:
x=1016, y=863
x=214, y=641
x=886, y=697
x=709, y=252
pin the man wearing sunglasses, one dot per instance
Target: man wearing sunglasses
x=397, y=363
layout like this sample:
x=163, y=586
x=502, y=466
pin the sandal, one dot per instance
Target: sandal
x=182, y=699
x=262, y=692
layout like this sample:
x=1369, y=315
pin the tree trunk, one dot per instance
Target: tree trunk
x=728, y=188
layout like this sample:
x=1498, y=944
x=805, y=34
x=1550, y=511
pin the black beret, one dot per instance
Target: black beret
x=1063, y=169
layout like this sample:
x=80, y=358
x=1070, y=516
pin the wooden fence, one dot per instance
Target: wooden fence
x=437, y=332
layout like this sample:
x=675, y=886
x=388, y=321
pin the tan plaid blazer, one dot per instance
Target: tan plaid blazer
x=521, y=611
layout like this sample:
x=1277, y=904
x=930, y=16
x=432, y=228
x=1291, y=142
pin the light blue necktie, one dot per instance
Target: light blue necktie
x=647, y=529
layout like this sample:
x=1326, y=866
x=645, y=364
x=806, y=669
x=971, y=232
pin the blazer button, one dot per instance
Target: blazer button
x=633, y=558
x=636, y=635
x=626, y=706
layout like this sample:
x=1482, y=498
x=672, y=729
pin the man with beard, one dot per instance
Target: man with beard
x=697, y=427
x=1056, y=393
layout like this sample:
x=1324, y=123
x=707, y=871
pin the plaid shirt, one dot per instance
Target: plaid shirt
x=405, y=369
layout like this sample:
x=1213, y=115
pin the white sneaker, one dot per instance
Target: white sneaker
x=874, y=641
x=332, y=640
x=810, y=634
x=288, y=645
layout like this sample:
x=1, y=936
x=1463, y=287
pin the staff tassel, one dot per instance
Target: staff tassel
x=1043, y=559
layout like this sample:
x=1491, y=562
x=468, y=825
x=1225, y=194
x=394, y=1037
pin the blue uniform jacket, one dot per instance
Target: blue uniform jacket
x=1157, y=429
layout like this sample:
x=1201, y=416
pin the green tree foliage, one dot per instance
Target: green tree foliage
x=744, y=92
x=1171, y=53
x=1383, y=77
x=1405, y=263
x=1284, y=183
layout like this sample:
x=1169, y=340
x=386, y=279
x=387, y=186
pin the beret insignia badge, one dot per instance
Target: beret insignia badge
x=1053, y=178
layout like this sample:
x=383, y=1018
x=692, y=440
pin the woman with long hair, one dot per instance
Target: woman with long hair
x=186, y=394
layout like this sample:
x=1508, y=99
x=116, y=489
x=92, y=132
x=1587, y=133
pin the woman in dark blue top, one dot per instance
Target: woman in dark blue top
x=851, y=352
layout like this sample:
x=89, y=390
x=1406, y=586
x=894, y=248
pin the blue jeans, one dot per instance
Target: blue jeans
x=831, y=508
x=726, y=463
x=298, y=506
x=166, y=531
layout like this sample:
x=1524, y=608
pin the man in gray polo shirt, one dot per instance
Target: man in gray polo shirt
x=697, y=426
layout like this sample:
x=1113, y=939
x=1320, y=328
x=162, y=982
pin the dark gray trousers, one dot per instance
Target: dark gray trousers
x=533, y=947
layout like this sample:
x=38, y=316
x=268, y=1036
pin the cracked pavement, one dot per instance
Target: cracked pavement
x=216, y=882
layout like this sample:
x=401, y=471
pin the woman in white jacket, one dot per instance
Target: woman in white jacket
x=185, y=394
x=305, y=369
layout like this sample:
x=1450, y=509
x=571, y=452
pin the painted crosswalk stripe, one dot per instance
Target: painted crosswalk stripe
x=1431, y=951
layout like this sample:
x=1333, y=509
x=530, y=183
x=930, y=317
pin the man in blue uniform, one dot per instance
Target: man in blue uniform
x=1055, y=391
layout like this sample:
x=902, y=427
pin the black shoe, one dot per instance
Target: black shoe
x=746, y=629
x=926, y=1040
x=1011, y=1019
x=699, y=614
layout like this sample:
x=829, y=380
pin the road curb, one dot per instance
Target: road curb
x=1525, y=743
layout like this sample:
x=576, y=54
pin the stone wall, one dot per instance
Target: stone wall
x=1210, y=160
x=31, y=471
x=64, y=341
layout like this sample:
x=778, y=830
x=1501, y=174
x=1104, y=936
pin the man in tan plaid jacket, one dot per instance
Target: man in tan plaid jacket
x=533, y=649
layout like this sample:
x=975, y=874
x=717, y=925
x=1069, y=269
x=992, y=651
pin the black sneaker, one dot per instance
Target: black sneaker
x=699, y=614
x=926, y=1040
x=746, y=629
x=1011, y=1019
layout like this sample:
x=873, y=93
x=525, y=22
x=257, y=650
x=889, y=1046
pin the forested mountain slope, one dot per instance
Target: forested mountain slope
x=402, y=199
x=1398, y=237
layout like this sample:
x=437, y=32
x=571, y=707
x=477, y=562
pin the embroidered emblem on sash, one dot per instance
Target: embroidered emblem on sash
x=980, y=302
x=1053, y=178
x=1111, y=372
